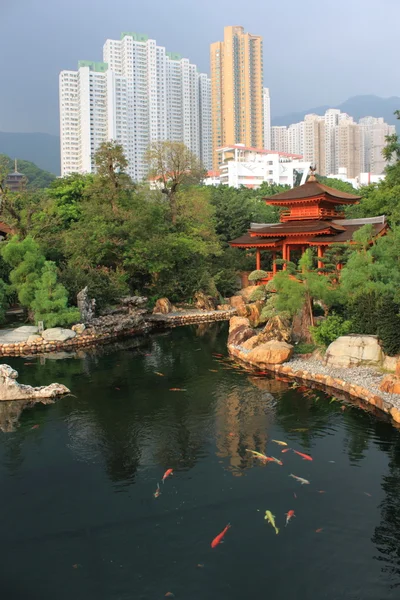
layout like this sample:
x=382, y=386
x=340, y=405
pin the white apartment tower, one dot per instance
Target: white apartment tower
x=373, y=132
x=267, y=119
x=279, y=138
x=138, y=95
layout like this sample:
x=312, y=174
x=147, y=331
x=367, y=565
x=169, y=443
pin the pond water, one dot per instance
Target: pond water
x=79, y=519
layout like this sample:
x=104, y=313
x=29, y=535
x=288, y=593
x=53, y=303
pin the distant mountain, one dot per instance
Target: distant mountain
x=37, y=178
x=40, y=148
x=357, y=107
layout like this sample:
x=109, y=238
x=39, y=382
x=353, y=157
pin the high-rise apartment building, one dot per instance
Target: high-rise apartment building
x=139, y=94
x=237, y=90
x=279, y=138
x=347, y=147
x=267, y=119
x=373, y=133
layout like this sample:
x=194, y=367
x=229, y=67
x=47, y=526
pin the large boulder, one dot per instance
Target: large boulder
x=254, y=312
x=204, y=302
x=246, y=292
x=10, y=389
x=15, y=336
x=353, y=351
x=58, y=334
x=277, y=328
x=251, y=343
x=270, y=353
x=235, y=322
x=240, y=334
x=390, y=384
x=240, y=305
x=163, y=306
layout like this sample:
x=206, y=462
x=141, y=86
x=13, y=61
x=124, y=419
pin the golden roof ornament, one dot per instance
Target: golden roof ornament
x=311, y=176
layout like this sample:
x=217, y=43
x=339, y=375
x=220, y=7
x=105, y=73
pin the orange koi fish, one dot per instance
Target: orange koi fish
x=303, y=456
x=217, y=540
x=167, y=473
x=213, y=370
x=158, y=491
x=289, y=515
x=285, y=450
x=319, y=530
x=159, y=374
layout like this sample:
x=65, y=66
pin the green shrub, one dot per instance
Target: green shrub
x=3, y=300
x=260, y=293
x=304, y=348
x=330, y=329
x=257, y=275
x=50, y=304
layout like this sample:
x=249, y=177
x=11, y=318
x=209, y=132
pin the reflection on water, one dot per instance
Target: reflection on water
x=79, y=518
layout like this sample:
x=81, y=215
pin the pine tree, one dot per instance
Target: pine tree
x=50, y=304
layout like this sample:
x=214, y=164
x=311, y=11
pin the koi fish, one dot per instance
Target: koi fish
x=289, y=515
x=213, y=370
x=158, y=491
x=258, y=455
x=279, y=442
x=159, y=374
x=294, y=495
x=271, y=519
x=119, y=389
x=217, y=540
x=303, y=456
x=300, y=429
x=319, y=530
x=218, y=355
x=177, y=390
x=35, y=426
x=285, y=450
x=277, y=461
x=367, y=494
x=167, y=473
x=299, y=479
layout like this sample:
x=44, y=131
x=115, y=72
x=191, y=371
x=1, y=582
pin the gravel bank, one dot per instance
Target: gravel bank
x=367, y=377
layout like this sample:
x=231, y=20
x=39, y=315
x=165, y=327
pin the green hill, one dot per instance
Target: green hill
x=37, y=178
x=42, y=149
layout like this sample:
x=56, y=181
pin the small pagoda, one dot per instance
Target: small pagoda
x=311, y=218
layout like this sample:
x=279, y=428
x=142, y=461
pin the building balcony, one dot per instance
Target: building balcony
x=309, y=213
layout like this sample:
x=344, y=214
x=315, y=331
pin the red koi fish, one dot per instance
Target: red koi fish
x=217, y=540
x=303, y=456
x=289, y=515
x=319, y=530
x=176, y=390
x=218, y=355
x=35, y=426
x=285, y=450
x=167, y=473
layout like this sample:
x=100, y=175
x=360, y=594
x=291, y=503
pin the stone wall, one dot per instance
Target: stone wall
x=190, y=317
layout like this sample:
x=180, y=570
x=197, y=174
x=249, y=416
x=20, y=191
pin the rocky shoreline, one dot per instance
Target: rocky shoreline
x=362, y=382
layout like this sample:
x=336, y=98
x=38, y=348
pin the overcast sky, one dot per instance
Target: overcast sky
x=315, y=52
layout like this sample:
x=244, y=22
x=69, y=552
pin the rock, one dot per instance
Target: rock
x=10, y=389
x=251, y=343
x=58, y=334
x=390, y=363
x=240, y=334
x=254, y=312
x=78, y=328
x=354, y=351
x=15, y=336
x=238, y=303
x=398, y=368
x=224, y=307
x=134, y=301
x=204, y=302
x=246, y=292
x=117, y=324
x=86, y=306
x=163, y=306
x=390, y=384
x=277, y=328
x=34, y=338
x=235, y=322
x=270, y=353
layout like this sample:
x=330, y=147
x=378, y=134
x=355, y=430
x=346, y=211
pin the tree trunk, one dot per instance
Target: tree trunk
x=301, y=325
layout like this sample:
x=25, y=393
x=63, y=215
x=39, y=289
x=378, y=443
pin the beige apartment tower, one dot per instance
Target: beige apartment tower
x=237, y=90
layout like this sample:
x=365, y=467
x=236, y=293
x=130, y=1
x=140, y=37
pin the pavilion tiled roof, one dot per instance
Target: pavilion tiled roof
x=347, y=235
x=248, y=240
x=298, y=227
x=310, y=189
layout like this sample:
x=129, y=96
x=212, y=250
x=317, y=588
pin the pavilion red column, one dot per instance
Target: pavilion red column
x=258, y=260
x=320, y=255
x=273, y=263
x=288, y=252
x=284, y=255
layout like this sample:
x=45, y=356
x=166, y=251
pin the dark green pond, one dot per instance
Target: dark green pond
x=79, y=520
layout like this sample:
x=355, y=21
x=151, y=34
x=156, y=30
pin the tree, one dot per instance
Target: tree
x=50, y=303
x=172, y=164
x=111, y=164
x=27, y=261
x=3, y=300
